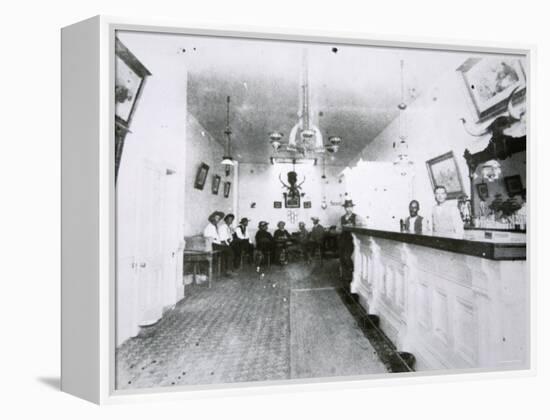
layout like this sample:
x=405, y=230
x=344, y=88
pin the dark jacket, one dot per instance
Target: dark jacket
x=417, y=225
x=264, y=239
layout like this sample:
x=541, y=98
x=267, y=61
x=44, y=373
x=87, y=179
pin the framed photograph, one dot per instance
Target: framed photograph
x=443, y=171
x=200, y=178
x=226, y=189
x=216, y=179
x=129, y=82
x=130, y=76
x=292, y=202
x=482, y=191
x=154, y=312
x=513, y=185
x=490, y=81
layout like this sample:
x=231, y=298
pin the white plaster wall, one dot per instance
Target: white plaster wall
x=432, y=126
x=203, y=147
x=260, y=184
x=157, y=136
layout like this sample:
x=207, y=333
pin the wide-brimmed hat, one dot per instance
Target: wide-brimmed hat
x=315, y=218
x=279, y=222
x=229, y=215
x=348, y=203
x=216, y=213
x=244, y=219
x=262, y=223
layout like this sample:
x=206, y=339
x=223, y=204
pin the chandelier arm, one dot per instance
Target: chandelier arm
x=292, y=135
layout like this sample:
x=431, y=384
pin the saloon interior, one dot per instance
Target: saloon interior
x=277, y=131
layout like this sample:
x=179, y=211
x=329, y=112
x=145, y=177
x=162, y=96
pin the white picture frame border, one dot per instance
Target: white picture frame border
x=88, y=301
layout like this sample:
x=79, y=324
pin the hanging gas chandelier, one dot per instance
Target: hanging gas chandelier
x=227, y=159
x=402, y=163
x=305, y=137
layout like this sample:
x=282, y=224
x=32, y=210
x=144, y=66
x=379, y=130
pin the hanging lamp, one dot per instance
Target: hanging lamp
x=305, y=138
x=227, y=159
x=402, y=163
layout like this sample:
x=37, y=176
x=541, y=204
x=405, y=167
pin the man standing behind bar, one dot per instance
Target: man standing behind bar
x=446, y=218
x=345, y=243
x=414, y=222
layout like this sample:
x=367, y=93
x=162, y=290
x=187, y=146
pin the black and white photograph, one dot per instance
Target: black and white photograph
x=401, y=249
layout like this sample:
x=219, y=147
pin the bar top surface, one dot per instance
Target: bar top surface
x=487, y=244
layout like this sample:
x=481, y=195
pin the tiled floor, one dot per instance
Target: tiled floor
x=240, y=331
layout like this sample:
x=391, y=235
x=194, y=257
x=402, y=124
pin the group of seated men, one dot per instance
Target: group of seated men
x=233, y=242
x=276, y=246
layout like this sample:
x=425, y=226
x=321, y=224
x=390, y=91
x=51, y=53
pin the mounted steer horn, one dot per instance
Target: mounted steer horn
x=499, y=124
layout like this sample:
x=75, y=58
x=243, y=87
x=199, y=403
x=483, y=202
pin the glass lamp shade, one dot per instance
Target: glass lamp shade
x=308, y=134
x=275, y=140
x=335, y=140
x=228, y=160
x=491, y=171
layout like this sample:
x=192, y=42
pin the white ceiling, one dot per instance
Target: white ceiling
x=354, y=91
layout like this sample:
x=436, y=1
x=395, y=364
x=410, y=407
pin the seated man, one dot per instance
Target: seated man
x=241, y=242
x=264, y=243
x=282, y=241
x=218, y=243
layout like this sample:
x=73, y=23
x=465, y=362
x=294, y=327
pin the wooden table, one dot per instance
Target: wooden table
x=195, y=257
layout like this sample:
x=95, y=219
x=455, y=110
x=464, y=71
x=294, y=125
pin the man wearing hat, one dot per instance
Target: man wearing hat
x=211, y=231
x=242, y=241
x=264, y=242
x=345, y=243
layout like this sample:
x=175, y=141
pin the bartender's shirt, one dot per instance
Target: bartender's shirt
x=446, y=219
x=211, y=231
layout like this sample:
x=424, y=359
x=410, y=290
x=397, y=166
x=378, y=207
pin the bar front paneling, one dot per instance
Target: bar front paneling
x=453, y=303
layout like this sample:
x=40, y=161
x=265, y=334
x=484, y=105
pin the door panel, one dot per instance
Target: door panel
x=150, y=241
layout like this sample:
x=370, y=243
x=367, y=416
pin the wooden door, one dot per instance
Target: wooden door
x=150, y=243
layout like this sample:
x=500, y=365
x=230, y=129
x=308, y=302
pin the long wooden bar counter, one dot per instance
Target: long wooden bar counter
x=453, y=302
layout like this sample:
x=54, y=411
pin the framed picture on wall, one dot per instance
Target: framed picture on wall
x=226, y=189
x=307, y=204
x=292, y=202
x=513, y=185
x=277, y=204
x=490, y=81
x=130, y=78
x=216, y=179
x=443, y=172
x=200, y=178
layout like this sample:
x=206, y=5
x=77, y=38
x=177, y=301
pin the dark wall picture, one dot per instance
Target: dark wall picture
x=216, y=184
x=200, y=178
x=277, y=204
x=226, y=189
x=483, y=191
x=307, y=204
x=292, y=202
x=513, y=185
